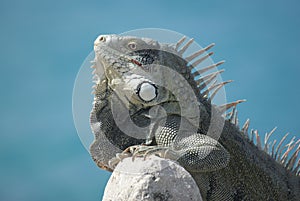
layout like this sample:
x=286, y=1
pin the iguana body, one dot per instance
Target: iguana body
x=141, y=98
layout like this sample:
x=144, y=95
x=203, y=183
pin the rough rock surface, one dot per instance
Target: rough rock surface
x=153, y=179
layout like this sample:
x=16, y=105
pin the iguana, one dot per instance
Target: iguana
x=150, y=100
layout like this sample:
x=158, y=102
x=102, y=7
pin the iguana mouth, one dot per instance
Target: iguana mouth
x=136, y=62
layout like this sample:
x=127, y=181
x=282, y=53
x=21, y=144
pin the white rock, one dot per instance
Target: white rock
x=152, y=179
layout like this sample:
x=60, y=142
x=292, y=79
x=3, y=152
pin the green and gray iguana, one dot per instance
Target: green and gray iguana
x=151, y=100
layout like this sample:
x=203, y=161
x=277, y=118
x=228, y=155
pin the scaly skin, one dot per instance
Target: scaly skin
x=147, y=84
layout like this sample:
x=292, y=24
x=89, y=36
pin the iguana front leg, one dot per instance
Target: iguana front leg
x=200, y=153
x=194, y=151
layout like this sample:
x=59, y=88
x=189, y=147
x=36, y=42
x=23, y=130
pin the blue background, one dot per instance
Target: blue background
x=43, y=43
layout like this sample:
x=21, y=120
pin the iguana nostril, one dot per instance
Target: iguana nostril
x=147, y=91
x=102, y=39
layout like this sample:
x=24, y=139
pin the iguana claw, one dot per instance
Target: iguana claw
x=112, y=163
x=142, y=151
x=163, y=152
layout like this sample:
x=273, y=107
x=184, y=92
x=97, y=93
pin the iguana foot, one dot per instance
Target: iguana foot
x=163, y=152
x=128, y=152
x=143, y=151
x=112, y=163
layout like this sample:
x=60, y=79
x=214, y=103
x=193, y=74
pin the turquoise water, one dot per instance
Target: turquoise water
x=44, y=43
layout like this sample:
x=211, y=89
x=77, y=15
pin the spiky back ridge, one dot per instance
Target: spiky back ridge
x=286, y=155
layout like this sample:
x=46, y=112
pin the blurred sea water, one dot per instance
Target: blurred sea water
x=43, y=44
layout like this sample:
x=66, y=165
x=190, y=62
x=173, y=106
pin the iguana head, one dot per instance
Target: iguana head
x=144, y=73
x=128, y=64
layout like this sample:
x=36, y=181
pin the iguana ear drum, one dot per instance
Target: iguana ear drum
x=147, y=91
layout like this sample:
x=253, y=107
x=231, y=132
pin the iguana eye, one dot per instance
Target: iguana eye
x=132, y=45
